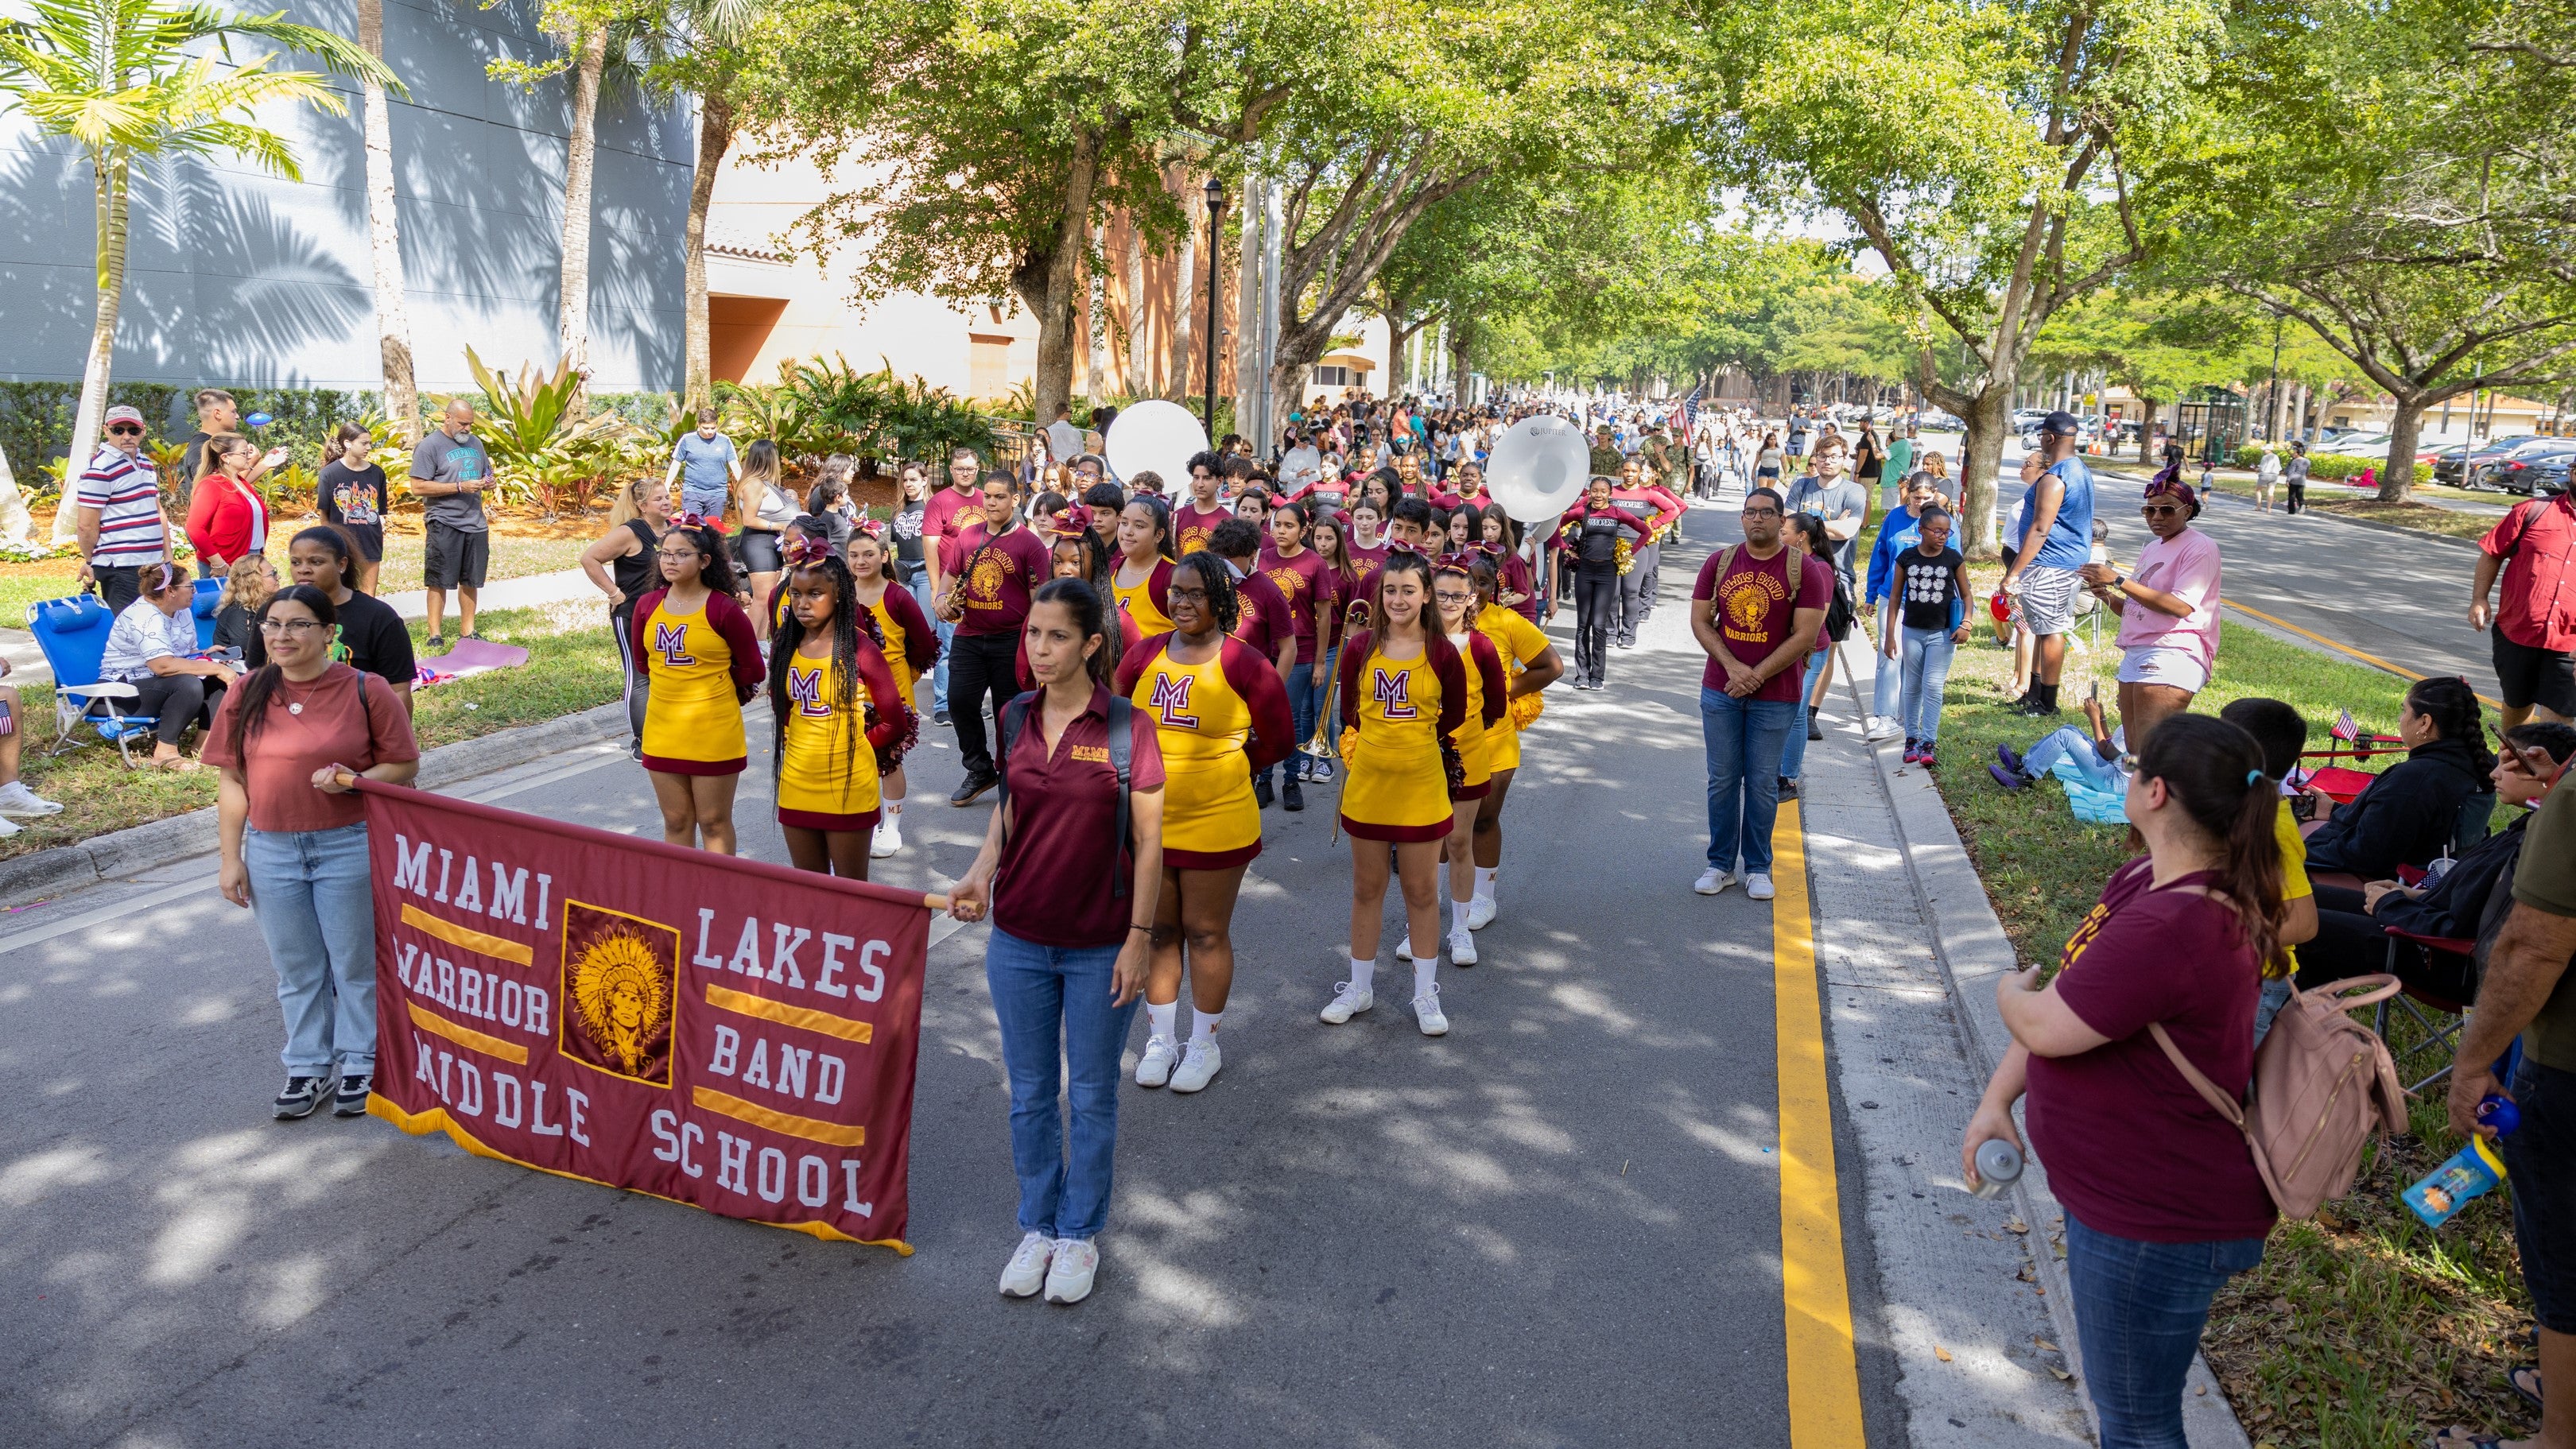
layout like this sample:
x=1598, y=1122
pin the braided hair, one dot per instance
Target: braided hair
x=2453, y=709
x=850, y=618
x=1219, y=582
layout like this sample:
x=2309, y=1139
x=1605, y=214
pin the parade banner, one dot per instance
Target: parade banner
x=724, y=1033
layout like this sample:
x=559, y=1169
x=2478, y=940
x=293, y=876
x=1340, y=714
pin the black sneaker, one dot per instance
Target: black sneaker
x=2035, y=709
x=1788, y=788
x=939, y=716
x=972, y=788
x=301, y=1096
x=437, y=644
x=1262, y=792
x=1291, y=795
x=351, y=1099
x=1815, y=731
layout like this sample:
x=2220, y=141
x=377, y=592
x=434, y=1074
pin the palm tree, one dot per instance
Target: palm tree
x=119, y=79
x=699, y=51
x=572, y=310
x=384, y=234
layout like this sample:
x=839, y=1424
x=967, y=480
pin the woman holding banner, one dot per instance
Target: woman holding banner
x=702, y=664
x=294, y=841
x=1217, y=706
x=1071, y=872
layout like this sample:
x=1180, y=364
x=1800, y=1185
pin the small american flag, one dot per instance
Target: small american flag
x=2345, y=727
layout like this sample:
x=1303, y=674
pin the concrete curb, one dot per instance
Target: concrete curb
x=179, y=837
x=1968, y=941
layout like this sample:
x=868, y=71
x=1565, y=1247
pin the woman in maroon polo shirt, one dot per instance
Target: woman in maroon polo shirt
x=1073, y=910
x=2163, y=1201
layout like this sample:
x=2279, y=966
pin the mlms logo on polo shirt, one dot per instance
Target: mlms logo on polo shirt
x=805, y=687
x=1092, y=754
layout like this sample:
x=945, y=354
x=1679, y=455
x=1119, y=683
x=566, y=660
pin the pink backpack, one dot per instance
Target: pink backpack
x=2323, y=1088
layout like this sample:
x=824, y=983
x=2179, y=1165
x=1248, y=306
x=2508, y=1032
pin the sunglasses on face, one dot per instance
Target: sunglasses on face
x=2160, y=510
x=124, y=430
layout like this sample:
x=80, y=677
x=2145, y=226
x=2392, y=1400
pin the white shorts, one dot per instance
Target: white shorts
x=2163, y=664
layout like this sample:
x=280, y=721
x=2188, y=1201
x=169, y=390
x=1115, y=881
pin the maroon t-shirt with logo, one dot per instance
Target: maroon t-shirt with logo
x=948, y=510
x=1190, y=527
x=997, y=580
x=1263, y=619
x=1757, y=607
x=1297, y=579
x=1056, y=881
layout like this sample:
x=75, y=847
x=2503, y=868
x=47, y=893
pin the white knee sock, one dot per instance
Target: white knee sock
x=1485, y=882
x=1362, y=973
x=1203, y=1025
x=1425, y=969
x=1163, y=1018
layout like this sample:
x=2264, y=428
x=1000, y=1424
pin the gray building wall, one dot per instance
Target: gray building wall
x=234, y=275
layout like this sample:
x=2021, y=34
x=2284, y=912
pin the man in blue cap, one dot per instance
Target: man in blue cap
x=2054, y=533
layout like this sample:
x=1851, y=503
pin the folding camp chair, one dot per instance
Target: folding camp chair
x=73, y=635
x=2440, y=1038
x=207, y=603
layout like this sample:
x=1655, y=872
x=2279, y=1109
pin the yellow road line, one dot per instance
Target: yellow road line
x=2373, y=660
x=1824, y=1378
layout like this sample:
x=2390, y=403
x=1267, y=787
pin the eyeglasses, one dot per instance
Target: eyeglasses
x=1188, y=596
x=675, y=553
x=1447, y=596
x=297, y=627
x=1762, y=512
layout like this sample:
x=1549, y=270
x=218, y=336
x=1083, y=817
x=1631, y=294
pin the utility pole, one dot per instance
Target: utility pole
x=1265, y=408
x=2272, y=390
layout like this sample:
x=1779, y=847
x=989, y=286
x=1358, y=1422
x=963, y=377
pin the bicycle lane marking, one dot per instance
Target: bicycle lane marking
x=1823, y=1374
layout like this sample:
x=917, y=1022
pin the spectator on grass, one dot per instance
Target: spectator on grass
x=2280, y=734
x=623, y=566
x=2168, y=610
x=2163, y=1201
x=218, y=416
x=294, y=841
x=2534, y=547
x=227, y=515
x=704, y=468
x=1932, y=624
x=1897, y=532
x=118, y=503
x=2524, y=993
x=153, y=646
x=15, y=797
x=2099, y=755
x=2411, y=813
x=766, y=508
x=370, y=636
x=352, y=493
x=451, y=471
x=247, y=589
x=2054, y=539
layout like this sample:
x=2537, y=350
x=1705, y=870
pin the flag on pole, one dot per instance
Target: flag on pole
x=2345, y=727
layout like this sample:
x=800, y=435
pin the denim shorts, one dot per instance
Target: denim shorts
x=2540, y=1162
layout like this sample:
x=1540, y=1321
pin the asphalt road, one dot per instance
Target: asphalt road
x=1556, y=1226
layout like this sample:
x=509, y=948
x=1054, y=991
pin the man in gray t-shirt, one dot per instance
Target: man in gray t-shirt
x=703, y=464
x=1832, y=495
x=450, y=472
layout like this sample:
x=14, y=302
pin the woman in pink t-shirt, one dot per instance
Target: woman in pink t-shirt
x=2168, y=610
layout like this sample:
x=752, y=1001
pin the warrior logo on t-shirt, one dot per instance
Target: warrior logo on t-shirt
x=1171, y=700
x=1394, y=693
x=805, y=687
x=673, y=642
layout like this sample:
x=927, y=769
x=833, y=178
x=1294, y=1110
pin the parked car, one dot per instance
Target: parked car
x=2450, y=465
x=1933, y=420
x=2472, y=472
x=2027, y=420
x=2548, y=474
x=2512, y=473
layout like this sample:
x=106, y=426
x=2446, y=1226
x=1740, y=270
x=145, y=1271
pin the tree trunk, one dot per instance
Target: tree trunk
x=1185, y=291
x=715, y=137
x=384, y=235
x=1132, y=276
x=2397, y=480
x=1055, y=310
x=2147, y=430
x=1247, y=307
x=572, y=312
x=114, y=176
x=1989, y=416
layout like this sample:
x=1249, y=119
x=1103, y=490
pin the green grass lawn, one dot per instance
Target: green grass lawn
x=571, y=666
x=2361, y=1328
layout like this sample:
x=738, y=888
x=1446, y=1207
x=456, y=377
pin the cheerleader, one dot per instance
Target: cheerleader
x=1531, y=664
x=1341, y=577
x=1638, y=493
x=1142, y=579
x=1590, y=533
x=702, y=663
x=1501, y=541
x=911, y=651
x=1453, y=594
x=1404, y=693
x=831, y=687
x=1216, y=703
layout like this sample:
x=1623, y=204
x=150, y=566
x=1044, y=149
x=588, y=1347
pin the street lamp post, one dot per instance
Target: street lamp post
x=2272, y=393
x=1216, y=209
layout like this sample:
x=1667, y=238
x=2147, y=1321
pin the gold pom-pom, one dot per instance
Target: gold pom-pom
x=1525, y=710
x=1627, y=556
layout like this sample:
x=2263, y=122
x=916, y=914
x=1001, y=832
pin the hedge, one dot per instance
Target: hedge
x=2328, y=467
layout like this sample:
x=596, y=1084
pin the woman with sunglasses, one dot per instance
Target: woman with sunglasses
x=227, y=516
x=702, y=664
x=2168, y=610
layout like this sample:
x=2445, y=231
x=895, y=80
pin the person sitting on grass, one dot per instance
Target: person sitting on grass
x=2352, y=936
x=2411, y=813
x=2098, y=754
x=15, y=797
x=2280, y=733
x=247, y=588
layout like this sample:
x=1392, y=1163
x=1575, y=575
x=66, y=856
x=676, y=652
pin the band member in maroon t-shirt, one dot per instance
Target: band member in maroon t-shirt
x=1264, y=620
x=1301, y=575
x=990, y=570
x=949, y=510
x=1198, y=515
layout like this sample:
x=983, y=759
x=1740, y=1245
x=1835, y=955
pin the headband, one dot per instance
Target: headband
x=1455, y=563
x=804, y=550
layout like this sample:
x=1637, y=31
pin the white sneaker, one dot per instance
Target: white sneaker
x=1881, y=730
x=1348, y=1001
x=1427, y=1013
x=1462, y=947
x=1480, y=913
x=17, y=799
x=1713, y=880
x=1154, y=1068
x=1404, y=947
x=1069, y=1279
x=1757, y=884
x=1027, y=1270
x=1198, y=1066
x=888, y=837
x=9, y=828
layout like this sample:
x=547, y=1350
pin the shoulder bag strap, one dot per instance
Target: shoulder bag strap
x=1014, y=715
x=1122, y=747
x=2234, y=1112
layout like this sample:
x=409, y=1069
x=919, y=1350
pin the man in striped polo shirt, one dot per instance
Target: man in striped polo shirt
x=120, y=522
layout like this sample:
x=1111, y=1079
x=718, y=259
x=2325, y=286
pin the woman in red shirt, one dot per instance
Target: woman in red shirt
x=294, y=840
x=1073, y=907
x=227, y=517
x=2163, y=1201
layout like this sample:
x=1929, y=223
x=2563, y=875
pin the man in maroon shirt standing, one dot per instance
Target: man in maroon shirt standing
x=987, y=572
x=1755, y=612
x=950, y=509
x=1196, y=518
x=2534, y=546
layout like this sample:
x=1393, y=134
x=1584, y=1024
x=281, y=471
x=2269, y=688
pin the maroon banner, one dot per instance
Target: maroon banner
x=736, y=1036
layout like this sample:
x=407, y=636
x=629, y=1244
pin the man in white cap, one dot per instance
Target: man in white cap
x=117, y=510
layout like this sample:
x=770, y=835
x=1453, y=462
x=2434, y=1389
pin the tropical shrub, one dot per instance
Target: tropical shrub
x=541, y=449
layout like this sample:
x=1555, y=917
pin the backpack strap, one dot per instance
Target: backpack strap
x=1122, y=747
x=1014, y=715
x=2233, y=1111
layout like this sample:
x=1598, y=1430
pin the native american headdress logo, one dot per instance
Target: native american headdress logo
x=618, y=975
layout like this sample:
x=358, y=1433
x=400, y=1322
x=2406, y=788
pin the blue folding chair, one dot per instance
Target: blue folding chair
x=73, y=635
x=207, y=603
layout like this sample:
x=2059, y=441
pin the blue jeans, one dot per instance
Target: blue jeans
x=1306, y=698
x=2069, y=742
x=2139, y=1308
x=310, y=893
x=1051, y=999
x=1793, y=750
x=1927, y=673
x=1744, y=739
x=1889, y=682
x=920, y=588
x=2276, y=994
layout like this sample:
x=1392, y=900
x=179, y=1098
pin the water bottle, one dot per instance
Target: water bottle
x=2475, y=1169
x=1998, y=1167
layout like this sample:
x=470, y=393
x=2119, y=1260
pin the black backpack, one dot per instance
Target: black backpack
x=1122, y=748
